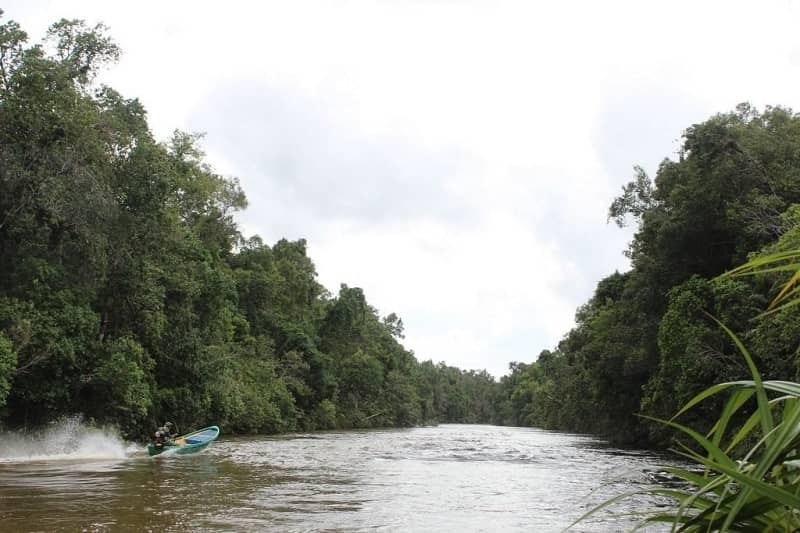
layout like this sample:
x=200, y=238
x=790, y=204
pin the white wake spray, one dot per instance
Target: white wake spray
x=66, y=439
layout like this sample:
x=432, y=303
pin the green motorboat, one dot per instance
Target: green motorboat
x=186, y=444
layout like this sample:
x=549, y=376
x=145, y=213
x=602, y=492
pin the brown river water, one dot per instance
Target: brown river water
x=443, y=478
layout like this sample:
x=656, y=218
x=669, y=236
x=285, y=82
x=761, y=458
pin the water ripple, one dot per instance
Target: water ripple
x=446, y=478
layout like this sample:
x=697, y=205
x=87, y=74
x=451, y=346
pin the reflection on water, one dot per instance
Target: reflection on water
x=446, y=478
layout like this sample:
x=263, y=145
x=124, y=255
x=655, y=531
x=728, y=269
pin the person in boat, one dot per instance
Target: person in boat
x=165, y=435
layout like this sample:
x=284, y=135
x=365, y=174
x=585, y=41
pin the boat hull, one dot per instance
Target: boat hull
x=187, y=444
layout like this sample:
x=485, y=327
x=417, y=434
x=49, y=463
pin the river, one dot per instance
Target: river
x=443, y=478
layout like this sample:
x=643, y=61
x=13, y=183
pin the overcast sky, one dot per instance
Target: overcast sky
x=456, y=159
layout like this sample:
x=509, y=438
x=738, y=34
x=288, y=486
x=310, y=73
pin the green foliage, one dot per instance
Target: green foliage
x=449, y=394
x=325, y=415
x=121, y=383
x=636, y=200
x=8, y=362
x=128, y=293
x=751, y=457
x=643, y=343
x=750, y=489
x=249, y=398
x=695, y=354
x=82, y=49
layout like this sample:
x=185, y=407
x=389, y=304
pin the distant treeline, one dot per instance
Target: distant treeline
x=128, y=294
x=645, y=343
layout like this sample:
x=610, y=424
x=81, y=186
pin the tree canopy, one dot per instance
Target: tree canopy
x=644, y=343
x=129, y=294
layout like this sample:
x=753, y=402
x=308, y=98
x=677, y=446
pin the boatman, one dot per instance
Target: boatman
x=164, y=435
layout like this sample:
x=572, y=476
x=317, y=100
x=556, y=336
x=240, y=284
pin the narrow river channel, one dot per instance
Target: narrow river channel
x=444, y=478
